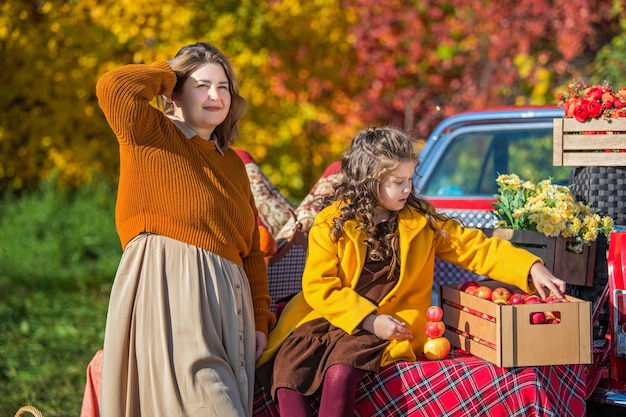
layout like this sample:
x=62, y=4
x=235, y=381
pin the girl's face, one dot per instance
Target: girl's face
x=205, y=99
x=396, y=187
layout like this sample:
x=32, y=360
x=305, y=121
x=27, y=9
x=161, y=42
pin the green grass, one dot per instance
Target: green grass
x=58, y=256
x=48, y=339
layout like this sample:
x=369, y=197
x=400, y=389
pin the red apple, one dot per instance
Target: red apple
x=500, y=293
x=516, y=299
x=437, y=348
x=553, y=317
x=483, y=292
x=501, y=301
x=537, y=318
x=435, y=329
x=467, y=284
x=554, y=299
x=434, y=313
x=532, y=299
x=471, y=290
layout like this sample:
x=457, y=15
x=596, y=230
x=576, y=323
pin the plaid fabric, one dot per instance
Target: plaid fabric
x=284, y=278
x=462, y=385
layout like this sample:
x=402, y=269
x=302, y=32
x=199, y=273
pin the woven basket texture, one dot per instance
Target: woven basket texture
x=603, y=188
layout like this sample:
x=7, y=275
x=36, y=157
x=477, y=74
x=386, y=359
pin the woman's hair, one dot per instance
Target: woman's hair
x=186, y=61
x=373, y=154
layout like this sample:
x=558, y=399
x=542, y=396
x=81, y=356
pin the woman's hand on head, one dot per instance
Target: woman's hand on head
x=387, y=327
x=261, y=344
x=545, y=282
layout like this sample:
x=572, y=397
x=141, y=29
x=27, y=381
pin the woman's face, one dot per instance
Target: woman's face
x=396, y=187
x=205, y=99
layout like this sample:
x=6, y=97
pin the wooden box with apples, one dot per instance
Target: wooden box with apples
x=529, y=332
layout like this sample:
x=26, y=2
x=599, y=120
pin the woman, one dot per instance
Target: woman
x=189, y=309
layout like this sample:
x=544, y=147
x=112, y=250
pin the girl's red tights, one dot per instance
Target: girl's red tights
x=338, y=395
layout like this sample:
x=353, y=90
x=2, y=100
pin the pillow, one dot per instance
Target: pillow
x=314, y=201
x=274, y=209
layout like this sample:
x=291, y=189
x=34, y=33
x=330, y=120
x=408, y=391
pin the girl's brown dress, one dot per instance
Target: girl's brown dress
x=312, y=348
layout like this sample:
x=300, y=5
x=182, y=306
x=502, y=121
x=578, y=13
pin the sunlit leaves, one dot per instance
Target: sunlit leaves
x=313, y=72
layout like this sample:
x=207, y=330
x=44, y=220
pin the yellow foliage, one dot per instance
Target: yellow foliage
x=297, y=62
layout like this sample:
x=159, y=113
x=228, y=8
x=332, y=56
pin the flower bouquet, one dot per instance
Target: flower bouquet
x=584, y=102
x=593, y=131
x=545, y=219
x=549, y=209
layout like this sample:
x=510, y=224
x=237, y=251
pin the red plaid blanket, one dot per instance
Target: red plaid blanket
x=462, y=385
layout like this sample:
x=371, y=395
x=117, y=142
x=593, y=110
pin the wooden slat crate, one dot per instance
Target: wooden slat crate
x=578, y=144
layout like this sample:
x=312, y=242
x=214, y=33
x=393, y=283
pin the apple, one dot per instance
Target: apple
x=434, y=313
x=516, y=299
x=554, y=299
x=538, y=318
x=553, y=317
x=483, y=292
x=471, y=290
x=437, y=348
x=501, y=301
x=532, y=299
x=435, y=329
x=500, y=293
x=467, y=284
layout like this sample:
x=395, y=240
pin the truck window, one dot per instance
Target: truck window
x=473, y=160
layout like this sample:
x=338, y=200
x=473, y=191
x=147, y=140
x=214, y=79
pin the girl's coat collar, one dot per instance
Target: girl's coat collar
x=410, y=223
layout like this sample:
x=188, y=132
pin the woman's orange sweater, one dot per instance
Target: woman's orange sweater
x=177, y=186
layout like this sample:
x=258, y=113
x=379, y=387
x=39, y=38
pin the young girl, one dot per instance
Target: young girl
x=369, y=275
x=189, y=308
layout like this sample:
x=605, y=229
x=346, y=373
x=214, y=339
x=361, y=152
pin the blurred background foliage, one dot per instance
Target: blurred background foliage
x=314, y=72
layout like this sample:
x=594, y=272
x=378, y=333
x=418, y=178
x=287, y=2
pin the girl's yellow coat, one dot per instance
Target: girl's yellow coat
x=333, y=269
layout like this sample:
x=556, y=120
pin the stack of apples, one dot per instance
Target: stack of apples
x=437, y=346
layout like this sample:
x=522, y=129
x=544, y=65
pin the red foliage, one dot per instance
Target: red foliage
x=460, y=54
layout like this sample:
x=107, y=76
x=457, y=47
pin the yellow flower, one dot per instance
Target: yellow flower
x=548, y=208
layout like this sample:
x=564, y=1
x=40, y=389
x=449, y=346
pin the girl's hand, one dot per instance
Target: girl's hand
x=261, y=344
x=544, y=280
x=387, y=327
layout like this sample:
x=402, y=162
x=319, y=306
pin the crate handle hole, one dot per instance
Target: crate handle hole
x=544, y=317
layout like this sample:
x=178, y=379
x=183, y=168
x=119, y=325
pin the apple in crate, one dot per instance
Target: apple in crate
x=437, y=348
x=434, y=329
x=516, y=299
x=500, y=293
x=538, y=318
x=467, y=284
x=532, y=299
x=484, y=292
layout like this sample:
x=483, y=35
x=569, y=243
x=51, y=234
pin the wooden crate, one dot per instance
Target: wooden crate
x=509, y=339
x=573, y=268
x=577, y=144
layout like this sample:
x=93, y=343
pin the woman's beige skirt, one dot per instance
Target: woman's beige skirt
x=180, y=337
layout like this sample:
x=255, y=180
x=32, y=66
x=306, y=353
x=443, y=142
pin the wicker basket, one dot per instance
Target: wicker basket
x=603, y=188
x=28, y=409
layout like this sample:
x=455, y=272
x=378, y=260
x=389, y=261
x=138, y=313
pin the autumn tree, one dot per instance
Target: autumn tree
x=313, y=72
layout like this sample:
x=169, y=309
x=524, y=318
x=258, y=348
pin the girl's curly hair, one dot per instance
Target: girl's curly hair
x=373, y=154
